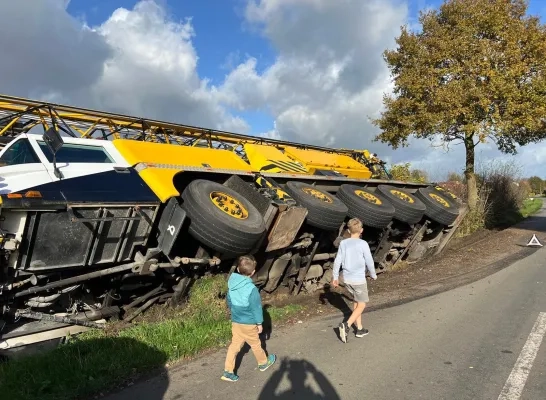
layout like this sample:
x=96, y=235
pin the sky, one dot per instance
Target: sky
x=310, y=71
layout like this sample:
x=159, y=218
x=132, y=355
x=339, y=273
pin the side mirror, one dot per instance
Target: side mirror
x=54, y=142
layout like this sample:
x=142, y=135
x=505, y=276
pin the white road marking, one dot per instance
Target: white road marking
x=516, y=381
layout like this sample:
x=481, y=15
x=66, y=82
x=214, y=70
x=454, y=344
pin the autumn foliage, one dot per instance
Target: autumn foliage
x=475, y=73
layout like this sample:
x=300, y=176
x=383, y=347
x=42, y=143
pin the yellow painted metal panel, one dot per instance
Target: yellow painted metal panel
x=160, y=180
x=160, y=153
x=270, y=159
x=314, y=160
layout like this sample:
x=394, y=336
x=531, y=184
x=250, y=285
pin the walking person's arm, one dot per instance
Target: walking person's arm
x=256, y=306
x=228, y=301
x=337, y=265
x=369, y=261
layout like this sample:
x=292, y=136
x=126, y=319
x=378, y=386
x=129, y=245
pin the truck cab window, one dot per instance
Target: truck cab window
x=20, y=152
x=77, y=153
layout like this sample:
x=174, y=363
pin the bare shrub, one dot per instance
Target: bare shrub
x=505, y=196
x=501, y=193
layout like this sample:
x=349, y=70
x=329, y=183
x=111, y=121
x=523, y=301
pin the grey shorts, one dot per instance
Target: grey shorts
x=359, y=292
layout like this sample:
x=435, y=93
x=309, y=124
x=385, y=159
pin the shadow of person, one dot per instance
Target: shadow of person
x=267, y=329
x=298, y=379
x=337, y=300
x=83, y=369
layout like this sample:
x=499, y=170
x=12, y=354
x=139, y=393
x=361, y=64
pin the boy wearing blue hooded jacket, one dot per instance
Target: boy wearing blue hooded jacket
x=245, y=305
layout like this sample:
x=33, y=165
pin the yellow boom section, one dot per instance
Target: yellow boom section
x=160, y=162
x=19, y=115
x=270, y=159
x=315, y=160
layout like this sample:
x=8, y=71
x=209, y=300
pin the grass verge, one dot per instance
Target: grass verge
x=97, y=360
x=530, y=207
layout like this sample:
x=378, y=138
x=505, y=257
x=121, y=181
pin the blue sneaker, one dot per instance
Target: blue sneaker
x=270, y=361
x=230, y=377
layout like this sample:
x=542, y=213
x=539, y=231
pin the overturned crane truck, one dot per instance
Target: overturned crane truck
x=103, y=215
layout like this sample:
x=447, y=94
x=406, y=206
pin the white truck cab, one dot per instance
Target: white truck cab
x=27, y=161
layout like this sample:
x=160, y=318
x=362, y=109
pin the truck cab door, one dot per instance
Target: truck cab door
x=80, y=159
x=21, y=167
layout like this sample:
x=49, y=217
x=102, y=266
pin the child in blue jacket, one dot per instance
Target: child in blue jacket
x=245, y=305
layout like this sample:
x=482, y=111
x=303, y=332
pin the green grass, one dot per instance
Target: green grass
x=530, y=207
x=100, y=359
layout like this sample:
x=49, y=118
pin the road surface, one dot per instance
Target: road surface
x=481, y=341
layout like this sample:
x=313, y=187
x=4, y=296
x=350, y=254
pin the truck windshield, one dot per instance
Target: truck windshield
x=19, y=152
x=77, y=153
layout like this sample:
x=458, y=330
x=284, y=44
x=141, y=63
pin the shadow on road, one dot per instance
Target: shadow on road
x=305, y=382
x=337, y=300
x=536, y=223
x=84, y=368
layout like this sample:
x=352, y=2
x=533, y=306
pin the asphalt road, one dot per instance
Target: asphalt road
x=474, y=342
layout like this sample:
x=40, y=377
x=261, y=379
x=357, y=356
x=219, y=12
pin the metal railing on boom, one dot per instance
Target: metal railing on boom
x=20, y=115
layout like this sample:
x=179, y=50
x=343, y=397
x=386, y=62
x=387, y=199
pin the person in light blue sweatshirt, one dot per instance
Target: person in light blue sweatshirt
x=245, y=305
x=355, y=256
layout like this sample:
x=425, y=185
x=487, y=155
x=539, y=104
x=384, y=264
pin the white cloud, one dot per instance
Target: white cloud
x=138, y=62
x=327, y=78
x=329, y=75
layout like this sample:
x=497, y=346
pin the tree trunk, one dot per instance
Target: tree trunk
x=471, y=187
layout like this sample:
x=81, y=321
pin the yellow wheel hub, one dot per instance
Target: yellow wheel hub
x=446, y=192
x=439, y=199
x=318, y=195
x=402, y=196
x=229, y=205
x=368, y=197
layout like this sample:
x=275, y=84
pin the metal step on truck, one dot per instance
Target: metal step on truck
x=103, y=215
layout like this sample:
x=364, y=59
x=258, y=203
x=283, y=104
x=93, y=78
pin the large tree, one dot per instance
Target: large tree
x=476, y=72
x=537, y=185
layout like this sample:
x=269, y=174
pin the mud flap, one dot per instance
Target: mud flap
x=169, y=225
x=286, y=228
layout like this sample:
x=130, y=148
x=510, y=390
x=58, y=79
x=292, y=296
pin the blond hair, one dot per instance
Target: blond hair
x=246, y=264
x=354, y=225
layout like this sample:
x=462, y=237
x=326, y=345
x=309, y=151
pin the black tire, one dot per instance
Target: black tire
x=375, y=212
x=213, y=227
x=440, y=208
x=410, y=211
x=447, y=194
x=327, y=215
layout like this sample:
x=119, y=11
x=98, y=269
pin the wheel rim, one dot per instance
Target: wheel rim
x=439, y=199
x=318, y=195
x=402, y=196
x=370, y=198
x=229, y=205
